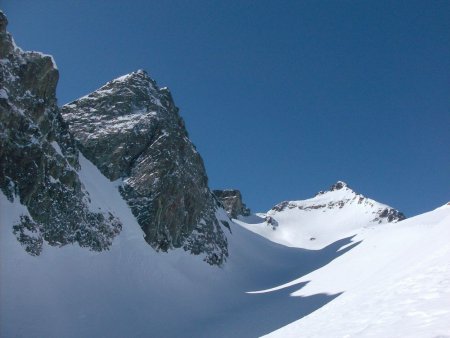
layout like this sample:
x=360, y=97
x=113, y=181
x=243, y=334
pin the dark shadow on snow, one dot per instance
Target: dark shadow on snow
x=263, y=313
x=253, y=315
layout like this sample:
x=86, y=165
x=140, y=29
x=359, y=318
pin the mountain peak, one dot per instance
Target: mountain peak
x=3, y=22
x=131, y=130
x=232, y=202
x=341, y=196
x=338, y=186
x=319, y=221
x=139, y=74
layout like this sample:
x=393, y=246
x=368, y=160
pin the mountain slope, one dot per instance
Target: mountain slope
x=396, y=282
x=131, y=130
x=39, y=159
x=321, y=220
x=363, y=277
x=133, y=291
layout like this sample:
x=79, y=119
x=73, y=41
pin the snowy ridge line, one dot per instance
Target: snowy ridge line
x=319, y=221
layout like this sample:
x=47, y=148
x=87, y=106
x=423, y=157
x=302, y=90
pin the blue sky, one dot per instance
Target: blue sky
x=282, y=98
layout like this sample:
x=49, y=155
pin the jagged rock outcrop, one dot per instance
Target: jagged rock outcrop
x=39, y=158
x=231, y=200
x=339, y=196
x=131, y=130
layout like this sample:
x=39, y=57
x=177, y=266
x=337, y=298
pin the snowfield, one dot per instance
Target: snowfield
x=363, y=279
x=395, y=283
x=319, y=221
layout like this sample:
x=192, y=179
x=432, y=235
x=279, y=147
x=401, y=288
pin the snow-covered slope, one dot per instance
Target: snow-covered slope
x=319, y=221
x=395, y=283
x=134, y=291
x=389, y=279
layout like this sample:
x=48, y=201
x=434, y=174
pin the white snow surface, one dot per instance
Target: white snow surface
x=319, y=221
x=389, y=280
x=57, y=148
x=125, y=77
x=395, y=283
x=42, y=55
x=3, y=94
x=133, y=291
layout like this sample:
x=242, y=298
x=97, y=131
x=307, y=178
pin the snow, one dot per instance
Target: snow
x=387, y=280
x=319, y=221
x=395, y=282
x=57, y=148
x=3, y=94
x=125, y=77
x=132, y=290
x=53, y=61
x=44, y=56
x=16, y=48
x=53, y=180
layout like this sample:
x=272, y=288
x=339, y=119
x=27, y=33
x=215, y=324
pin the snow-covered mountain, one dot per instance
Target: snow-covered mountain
x=319, y=221
x=131, y=130
x=133, y=291
x=387, y=280
x=395, y=282
x=39, y=158
x=82, y=198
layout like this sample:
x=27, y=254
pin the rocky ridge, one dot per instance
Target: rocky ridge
x=131, y=130
x=39, y=158
x=231, y=200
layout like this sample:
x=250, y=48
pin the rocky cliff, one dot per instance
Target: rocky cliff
x=231, y=200
x=39, y=158
x=131, y=130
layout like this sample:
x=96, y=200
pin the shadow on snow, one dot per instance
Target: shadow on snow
x=251, y=315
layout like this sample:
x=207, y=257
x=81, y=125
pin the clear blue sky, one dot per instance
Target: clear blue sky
x=282, y=98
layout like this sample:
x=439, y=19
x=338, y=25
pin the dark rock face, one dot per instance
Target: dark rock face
x=337, y=186
x=391, y=215
x=231, y=200
x=131, y=130
x=271, y=221
x=39, y=158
